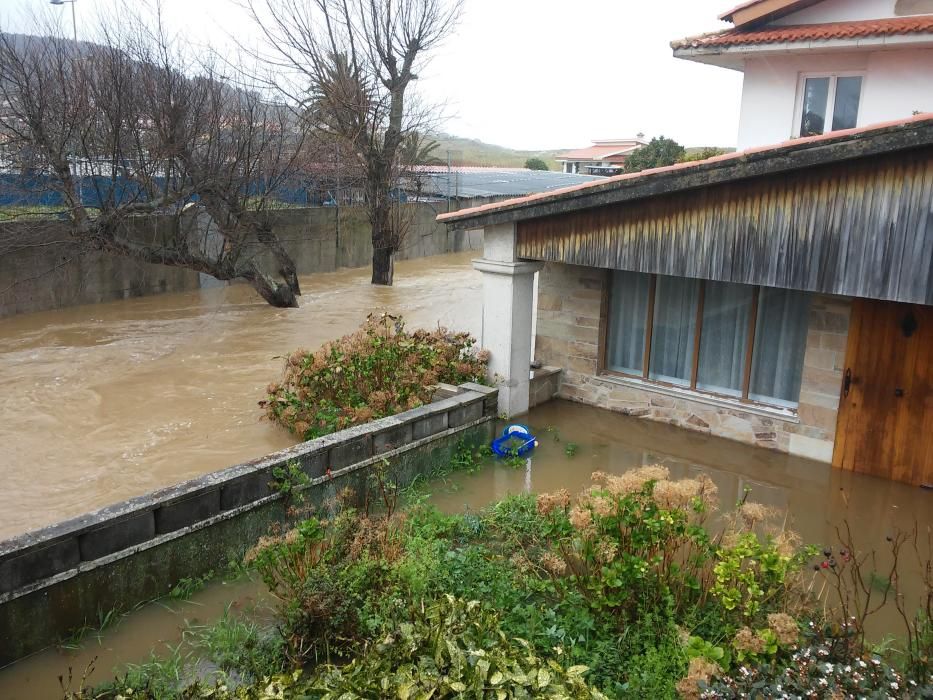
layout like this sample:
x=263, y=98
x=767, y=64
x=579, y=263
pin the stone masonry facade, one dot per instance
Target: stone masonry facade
x=571, y=316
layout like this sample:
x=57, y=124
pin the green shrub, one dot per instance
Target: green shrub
x=535, y=164
x=380, y=370
x=625, y=580
x=450, y=649
x=323, y=574
x=634, y=542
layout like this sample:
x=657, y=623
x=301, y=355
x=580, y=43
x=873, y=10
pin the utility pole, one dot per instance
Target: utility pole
x=337, y=207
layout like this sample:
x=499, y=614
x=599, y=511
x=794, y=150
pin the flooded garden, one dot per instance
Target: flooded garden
x=217, y=625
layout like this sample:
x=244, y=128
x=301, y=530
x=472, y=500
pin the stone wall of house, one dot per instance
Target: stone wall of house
x=570, y=308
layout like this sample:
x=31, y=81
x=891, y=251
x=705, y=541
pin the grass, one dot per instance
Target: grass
x=188, y=586
x=31, y=213
x=105, y=620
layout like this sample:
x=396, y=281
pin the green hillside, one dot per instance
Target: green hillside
x=464, y=151
x=474, y=152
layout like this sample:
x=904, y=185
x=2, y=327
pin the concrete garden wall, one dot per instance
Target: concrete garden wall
x=58, y=579
x=544, y=385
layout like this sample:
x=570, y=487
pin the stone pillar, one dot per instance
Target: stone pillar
x=508, y=310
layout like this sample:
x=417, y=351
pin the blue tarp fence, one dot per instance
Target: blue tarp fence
x=19, y=190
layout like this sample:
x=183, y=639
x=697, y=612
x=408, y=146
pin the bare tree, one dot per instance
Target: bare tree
x=130, y=126
x=349, y=65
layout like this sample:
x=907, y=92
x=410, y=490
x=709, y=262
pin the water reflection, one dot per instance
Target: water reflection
x=816, y=497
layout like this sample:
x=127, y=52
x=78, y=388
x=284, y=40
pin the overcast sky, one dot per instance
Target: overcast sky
x=533, y=73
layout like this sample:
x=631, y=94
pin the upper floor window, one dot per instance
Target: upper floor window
x=828, y=103
x=732, y=340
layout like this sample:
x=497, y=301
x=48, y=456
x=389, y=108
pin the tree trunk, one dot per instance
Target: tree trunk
x=282, y=258
x=383, y=266
x=275, y=293
x=383, y=262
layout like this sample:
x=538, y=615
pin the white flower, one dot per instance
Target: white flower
x=827, y=668
x=862, y=663
x=848, y=669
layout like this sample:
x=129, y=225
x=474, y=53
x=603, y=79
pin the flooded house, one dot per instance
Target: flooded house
x=780, y=296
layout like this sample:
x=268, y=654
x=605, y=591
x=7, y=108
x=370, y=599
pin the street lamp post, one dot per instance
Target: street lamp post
x=74, y=29
x=74, y=24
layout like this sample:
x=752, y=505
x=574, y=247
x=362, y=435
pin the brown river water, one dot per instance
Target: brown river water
x=109, y=401
x=104, y=402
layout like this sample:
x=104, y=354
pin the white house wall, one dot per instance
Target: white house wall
x=897, y=83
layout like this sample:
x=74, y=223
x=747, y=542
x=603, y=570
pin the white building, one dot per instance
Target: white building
x=604, y=157
x=812, y=67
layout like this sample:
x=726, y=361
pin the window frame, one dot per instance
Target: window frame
x=605, y=370
x=833, y=77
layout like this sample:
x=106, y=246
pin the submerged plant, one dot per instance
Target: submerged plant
x=380, y=370
x=626, y=591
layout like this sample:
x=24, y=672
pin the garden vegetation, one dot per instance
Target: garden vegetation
x=380, y=370
x=635, y=588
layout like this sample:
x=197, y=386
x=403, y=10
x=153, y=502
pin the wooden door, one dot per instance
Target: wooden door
x=885, y=423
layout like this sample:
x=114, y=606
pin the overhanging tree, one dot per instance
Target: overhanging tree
x=131, y=126
x=349, y=65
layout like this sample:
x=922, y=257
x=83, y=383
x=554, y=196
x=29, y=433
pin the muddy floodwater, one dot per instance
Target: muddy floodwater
x=104, y=402
x=814, y=497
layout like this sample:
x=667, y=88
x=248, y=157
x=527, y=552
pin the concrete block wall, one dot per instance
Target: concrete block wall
x=56, y=579
x=53, y=272
x=569, y=322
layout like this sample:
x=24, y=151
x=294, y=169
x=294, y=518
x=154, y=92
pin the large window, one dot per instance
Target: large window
x=730, y=340
x=828, y=103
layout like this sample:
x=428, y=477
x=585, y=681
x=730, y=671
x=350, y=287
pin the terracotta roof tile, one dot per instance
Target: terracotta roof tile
x=603, y=182
x=896, y=26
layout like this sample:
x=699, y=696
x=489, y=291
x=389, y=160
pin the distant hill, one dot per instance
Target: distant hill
x=475, y=152
x=464, y=151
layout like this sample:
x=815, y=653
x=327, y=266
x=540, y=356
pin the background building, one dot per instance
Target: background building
x=605, y=157
x=812, y=67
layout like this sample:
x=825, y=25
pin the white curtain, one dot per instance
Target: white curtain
x=675, y=310
x=727, y=312
x=628, y=313
x=780, y=343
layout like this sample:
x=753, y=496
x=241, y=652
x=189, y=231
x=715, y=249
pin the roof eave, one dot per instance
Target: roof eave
x=794, y=155
x=731, y=56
